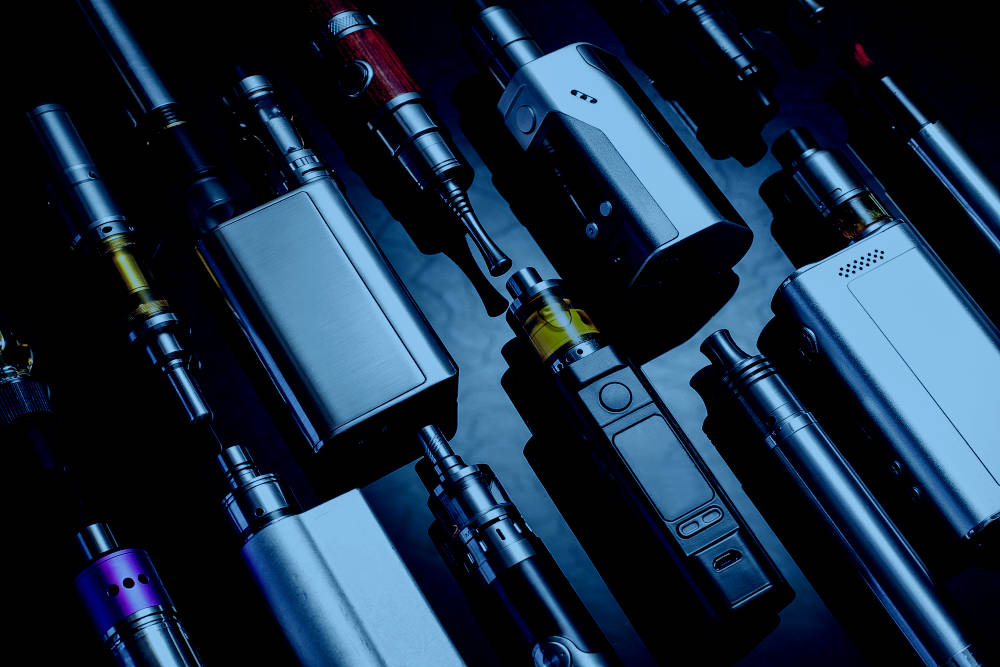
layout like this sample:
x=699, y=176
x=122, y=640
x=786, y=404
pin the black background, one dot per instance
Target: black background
x=125, y=436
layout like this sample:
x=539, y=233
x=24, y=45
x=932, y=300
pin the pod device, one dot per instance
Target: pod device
x=348, y=354
x=120, y=589
x=632, y=433
x=884, y=558
x=647, y=211
x=895, y=329
x=336, y=585
x=490, y=548
x=374, y=79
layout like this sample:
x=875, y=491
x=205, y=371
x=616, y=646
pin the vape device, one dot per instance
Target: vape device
x=893, y=328
x=883, y=557
x=336, y=585
x=934, y=145
x=376, y=85
x=120, y=589
x=618, y=414
x=647, y=210
x=491, y=551
x=331, y=577
x=347, y=351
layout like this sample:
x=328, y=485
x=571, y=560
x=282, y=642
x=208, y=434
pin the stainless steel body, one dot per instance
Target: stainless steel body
x=646, y=211
x=890, y=567
x=339, y=336
x=341, y=592
x=963, y=178
x=896, y=328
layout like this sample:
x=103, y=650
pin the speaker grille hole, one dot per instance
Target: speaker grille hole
x=861, y=263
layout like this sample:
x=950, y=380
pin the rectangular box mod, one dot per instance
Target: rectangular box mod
x=651, y=211
x=894, y=327
x=349, y=353
x=338, y=588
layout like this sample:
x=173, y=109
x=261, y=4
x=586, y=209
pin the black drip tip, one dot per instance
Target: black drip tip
x=722, y=351
x=792, y=144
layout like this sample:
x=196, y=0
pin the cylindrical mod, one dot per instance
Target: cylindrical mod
x=489, y=544
x=638, y=442
x=331, y=577
x=100, y=225
x=207, y=200
x=885, y=559
x=130, y=608
x=372, y=76
x=937, y=149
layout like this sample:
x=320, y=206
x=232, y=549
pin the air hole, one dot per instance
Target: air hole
x=500, y=533
x=106, y=228
x=579, y=350
x=143, y=579
x=727, y=559
x=128, y=582
x=112, y=590
x=259, y=511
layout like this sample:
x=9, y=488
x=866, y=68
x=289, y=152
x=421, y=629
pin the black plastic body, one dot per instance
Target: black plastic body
x=631, y=432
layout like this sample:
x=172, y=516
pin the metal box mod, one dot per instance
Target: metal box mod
x=895, y=327
x=338, y=588
x=348, y=351
x=650, y=209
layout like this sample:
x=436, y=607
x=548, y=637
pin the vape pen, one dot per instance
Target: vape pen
x=888, y=564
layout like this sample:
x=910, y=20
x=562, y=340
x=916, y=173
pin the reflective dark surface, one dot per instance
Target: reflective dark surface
x=164, y=496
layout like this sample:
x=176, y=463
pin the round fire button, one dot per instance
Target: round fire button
x=615, y=396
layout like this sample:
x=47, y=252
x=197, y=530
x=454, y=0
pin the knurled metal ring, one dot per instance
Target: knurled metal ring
x=345, y=23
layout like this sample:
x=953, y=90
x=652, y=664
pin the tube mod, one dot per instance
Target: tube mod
x=372, y=77
x=884, y=558
x=900, y=334
x=488, y=546
x=119, y=587
x=647, y=211
x=931, y=141
x=128, y=604
x=98, y=223
x=617, y=412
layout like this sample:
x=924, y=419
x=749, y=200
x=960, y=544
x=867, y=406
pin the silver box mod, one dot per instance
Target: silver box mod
x=898, y=330
x=650, y=212
x=339, y=336
x=342, y=594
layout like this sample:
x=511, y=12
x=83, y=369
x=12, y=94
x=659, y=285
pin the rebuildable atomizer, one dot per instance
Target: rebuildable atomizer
x=616, y=410
x=889, y=321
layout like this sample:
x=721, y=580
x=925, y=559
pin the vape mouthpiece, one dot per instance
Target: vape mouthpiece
x=501, y=42
x=522, y=281
x=436, y=447
x=95, y=540
x=793, y=145
x=256, y=499
x=722, y=351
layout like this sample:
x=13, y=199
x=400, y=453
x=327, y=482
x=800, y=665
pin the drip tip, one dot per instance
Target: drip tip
x=522, y=281
x=789, y=147
x=722, y=351
x=95, y=540
x=457, y=201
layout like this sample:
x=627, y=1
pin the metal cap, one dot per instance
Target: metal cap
x=522, y=281
x=790, y=146
x=95, y=540
x=722, y=350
